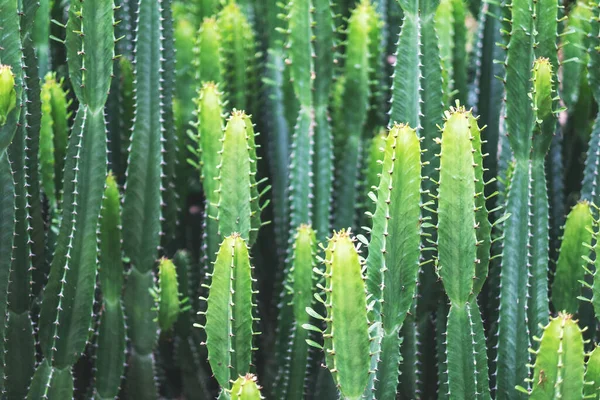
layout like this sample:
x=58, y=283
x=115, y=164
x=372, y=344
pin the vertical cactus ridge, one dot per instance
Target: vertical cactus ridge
x=238, y=206
x=324, y=31
x=239, y=57
x=394, y=249
x=463, y=242
x=576, y=243
x=459, y=50
x=229, y=312
x=19, y=351
x=372, y=170
x=246, y=388
x=110, y=345
x=355, y=107
x=143, y=198
x=292, y=336
x=559, y=367
x=209, y=55
x=591, y=389
x=300, y=50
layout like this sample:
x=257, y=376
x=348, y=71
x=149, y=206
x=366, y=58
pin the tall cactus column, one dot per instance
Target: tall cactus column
x=513, y=331
x=11, y=91
x=142, y=204
x=66, y=311
x=464, y=242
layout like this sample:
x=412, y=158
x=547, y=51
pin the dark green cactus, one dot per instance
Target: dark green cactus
x=143, y=198
x=355, y=100
x=292, y=336
x=66, y=312
x=110, y=344
x=592, y=375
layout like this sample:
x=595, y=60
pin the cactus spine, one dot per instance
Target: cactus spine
x=394, y=249
x=229, y=312
x=66, y=311
x=463, y=252
x=110, y=345
x=143, y=199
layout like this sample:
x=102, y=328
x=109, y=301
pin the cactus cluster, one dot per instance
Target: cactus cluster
x=299, y=199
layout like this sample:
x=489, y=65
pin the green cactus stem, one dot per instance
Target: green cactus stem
x=559, y=367
x=167, y=295
x=577, y=239
x=298, y=294
x=592, y=375
x=394, y=249
x=246, y=388
x=208, y=49
x=346, y=337
x=8, y=94
x=354, y=110
x=238, y=206
x=464, y=240
x=230, y=312
x=110, y=345
x=143, y=200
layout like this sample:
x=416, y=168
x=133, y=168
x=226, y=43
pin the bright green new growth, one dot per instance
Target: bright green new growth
x=394, y=249
x=110, y=353
x=238, y=57
x=559, y=367
x=229, y=312
x=297, y=296
x=463, y=252
x=209, y=145
x=8, y=94
x=246, y=388
x=54, y=135
x=167, y=295
x=238, y=206
x=591, y=389
x=575, y=246
x=354, y=108
x=347, y=334
x=208, y=52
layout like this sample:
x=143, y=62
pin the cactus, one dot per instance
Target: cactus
x=143, y=198
x=592, y=375
x=238, y=207
x=298, y=294
x=229, y=312
x=346, y=336
x=356, y=97
x=110, y=345
x=245, y=388
x=463, y=252
x=209, y=52
x=392, y=270
x=569, y=268
x=559, y=367
x=66, y=311
x=167, y=295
